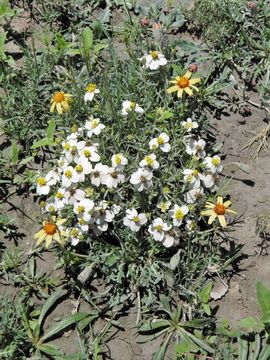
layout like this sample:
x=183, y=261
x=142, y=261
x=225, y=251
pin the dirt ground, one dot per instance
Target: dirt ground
x=250, y=194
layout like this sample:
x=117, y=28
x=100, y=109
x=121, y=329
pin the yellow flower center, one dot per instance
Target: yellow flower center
x=149, y=160
x=219, y=209
x=58, y=97
x=74, y=232
x=118, y=159
x=68, y=174
x=94, y=123
x=79, y=168
x=160, y=140
x=80, y=209
x=91, y=87
x=66, y=146
x=215, y=161
x=59, y=195
x=136, y=219
x=179, y=215
x=183, y=82
x=195, y=172
x=188, y=125
x=41, y=181
x=50, y=228
x=154, y=55
x=158, y=228
x=132, y=105
x=87, y=153
x=190, y=178
x=163, y=206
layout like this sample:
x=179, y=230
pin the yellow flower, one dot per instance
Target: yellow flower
x=184, y=83
x=218, y=210
x=61, y=102
x=51, y=231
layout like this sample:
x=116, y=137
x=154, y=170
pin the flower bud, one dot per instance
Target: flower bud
x=193, y=68
x=145, y=22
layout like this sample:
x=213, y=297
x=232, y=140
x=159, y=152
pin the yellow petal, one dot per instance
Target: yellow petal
x=227, y=203
x=207, y=212
x=48, y=241
x=39, y=233
x=209, y=205
x=231, y=211
x=61, y=221
x=194, y=88
x=59, y=109
x=180, y=93
x=220, y=200
x=212, y=218
x=41, y=238
x=188, y=74
x=188, y=91
x=222, y=220
x=65, y=105
x=194, y=81
x=53, y=107
x=172, y=89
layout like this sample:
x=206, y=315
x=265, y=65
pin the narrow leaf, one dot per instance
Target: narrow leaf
x=51, y=129
x=62, y=325
x=48, y=305
x=87, y=37
x=263, y=297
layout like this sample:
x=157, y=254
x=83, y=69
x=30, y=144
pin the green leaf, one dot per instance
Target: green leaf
x=87, y=37
x=243, y=349
x=49, y=304
x=196, y=324
x=26, y=160
x=51, y=129
x=199, y=342
x=62, y=325
x=43, y=142
x=205, y=292
x=2, y=42
x=251, y=323
x=263, y=298
x=15, y=152
x=49, y=349
x=154, y=325
x=160, y=354
x=87, y=320
x=265, y=353
x=99, y=47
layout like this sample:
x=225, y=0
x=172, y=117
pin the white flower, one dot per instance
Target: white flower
x=142, y=179
x=83, y=225
x=61, y=198
x=210, y=181
x=113, y=178
x=89, y=153
x=189, y=124
x=192, y=178
x=162, y=142
x=75, y=235
x=93, y=126
x=52, y=177
x=153, y=60
x=134, y=220
x=98, y=174
x=44, y=183
x=76, y=195
x=129, y=106
x=71, y=148
x=194, y=147
x=213, y=164
x=191, y=225
x=164, y=206
x=150, y=161
x=69, y=176
x=102, y=215
x=194, y=195
x=171, y=237
x=158, y=228
x=82, y=168
x=50, y=207
x=91, y=90
x=119, y=161
x=42, y=186
x=178, y=213
x=83, y=209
